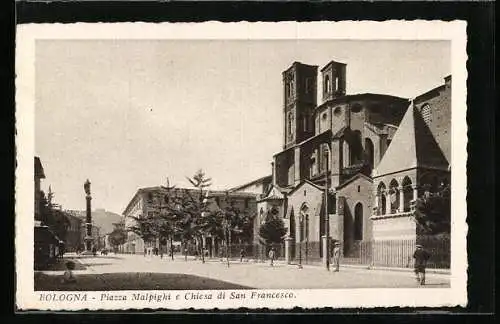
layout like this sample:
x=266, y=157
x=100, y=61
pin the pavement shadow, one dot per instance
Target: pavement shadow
x=131, y=281
x=60, y=265
x=99, y=264
x=97, y=257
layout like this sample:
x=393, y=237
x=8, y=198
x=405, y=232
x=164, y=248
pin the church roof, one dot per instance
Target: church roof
x=273, y=194
x=413, y=146
x=304, y=181
x=351, y=179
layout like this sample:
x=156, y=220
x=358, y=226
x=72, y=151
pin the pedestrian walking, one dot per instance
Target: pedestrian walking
x=421, y=257
x=336, y=256
x=242, y=255
x=272, y=254
x=94, y=251
x=145, y=251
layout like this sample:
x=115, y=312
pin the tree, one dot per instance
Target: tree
x=433, y=212
x=145, y=227
x=197, y=208
x=56, y=219
x=117, y=237
x=272, y=231
x=186, y=215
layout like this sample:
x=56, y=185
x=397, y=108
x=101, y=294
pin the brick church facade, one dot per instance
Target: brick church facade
x=361, y=158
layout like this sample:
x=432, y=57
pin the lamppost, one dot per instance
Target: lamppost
x=203, y=214
x=301, y=234
x=327, y=217
x=227, y=229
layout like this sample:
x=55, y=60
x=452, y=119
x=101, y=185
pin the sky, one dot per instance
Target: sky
x=128, y=114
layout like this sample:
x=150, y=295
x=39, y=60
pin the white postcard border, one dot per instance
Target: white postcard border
x=28, y=34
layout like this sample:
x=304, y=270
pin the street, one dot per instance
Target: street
x=133, y=272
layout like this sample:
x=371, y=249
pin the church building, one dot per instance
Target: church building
x=352, y=164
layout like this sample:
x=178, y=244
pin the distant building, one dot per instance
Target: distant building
x=39, y=174
x=259, y=186
x=74, y=233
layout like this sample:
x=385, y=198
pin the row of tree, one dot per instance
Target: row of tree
x=188, y=216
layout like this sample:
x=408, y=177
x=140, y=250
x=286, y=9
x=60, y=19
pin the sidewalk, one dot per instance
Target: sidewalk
x=444, y=272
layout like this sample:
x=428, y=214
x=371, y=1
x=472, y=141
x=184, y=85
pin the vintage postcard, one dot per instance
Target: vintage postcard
x=228, y=165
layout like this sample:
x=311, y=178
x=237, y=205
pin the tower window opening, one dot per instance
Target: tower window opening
x=327, y=83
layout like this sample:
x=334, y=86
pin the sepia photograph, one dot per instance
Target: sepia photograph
x=241, y=167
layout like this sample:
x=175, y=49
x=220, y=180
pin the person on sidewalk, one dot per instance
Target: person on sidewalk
x=242, y=255
x=336, y=256
x=272, y=255
x=421, y=257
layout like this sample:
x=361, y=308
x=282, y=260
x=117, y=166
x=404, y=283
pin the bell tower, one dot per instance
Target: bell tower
x=300, y=92
x=334, y=80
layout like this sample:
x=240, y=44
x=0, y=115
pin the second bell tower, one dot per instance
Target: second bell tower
x=300, y=98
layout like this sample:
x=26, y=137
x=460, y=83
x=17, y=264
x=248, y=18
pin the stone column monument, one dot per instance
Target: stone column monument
x=88, y=221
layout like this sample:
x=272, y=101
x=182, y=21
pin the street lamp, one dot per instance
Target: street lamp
x=203, y=214
x=327, y=217
x=301, y=234
x=227, y=228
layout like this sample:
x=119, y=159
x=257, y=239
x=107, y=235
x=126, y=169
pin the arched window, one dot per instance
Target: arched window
x=336, y=85
x=382, y=200
x=304, y=123
x=290, y=123
x=325, y=158
x=394, y=196
x=304, y=222
x=426, y=113
x=358, y=222
x=407, y=194
x=327, y=84
x=356, y=108
x=369, y=149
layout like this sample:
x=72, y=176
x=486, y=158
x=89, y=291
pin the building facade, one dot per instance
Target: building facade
x=74, y=233
x=352, y=164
